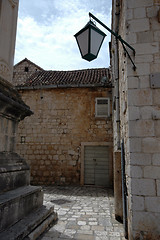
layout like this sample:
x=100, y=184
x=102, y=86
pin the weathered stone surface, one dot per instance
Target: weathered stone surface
x=146, y=48
x=156, y=159
x=144, y=37
x=11, y=101
x=152, y=11
x=132, y=38
x=143, y=187
x=135, y=171
x=134, y=113
x=139, y=97
x=147, y=112
x=32, y=225
x=152, y=172
x=14, y=172
x=152, y=204
x=141, y=159
x=51, y=139
x=137, y=3
x=139, y=12
x=135, y=145
x=17, y=203
x=151, y=145
x=141, y=128
x=138, y=203
x=138, y=23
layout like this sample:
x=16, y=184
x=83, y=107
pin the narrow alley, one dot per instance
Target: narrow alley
x=83, y=213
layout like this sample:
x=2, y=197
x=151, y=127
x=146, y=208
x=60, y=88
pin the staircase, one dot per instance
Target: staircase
x=22, y=213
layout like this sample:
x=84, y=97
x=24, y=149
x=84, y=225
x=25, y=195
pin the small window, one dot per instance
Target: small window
x=26, y=69
x=102, y=107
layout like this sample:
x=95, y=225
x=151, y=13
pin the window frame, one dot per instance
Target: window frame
x=96, y=107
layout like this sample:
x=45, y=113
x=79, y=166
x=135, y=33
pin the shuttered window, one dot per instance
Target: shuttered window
x=102, y=107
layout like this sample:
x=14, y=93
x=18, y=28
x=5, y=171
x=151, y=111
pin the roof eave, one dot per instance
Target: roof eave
x=63, y=86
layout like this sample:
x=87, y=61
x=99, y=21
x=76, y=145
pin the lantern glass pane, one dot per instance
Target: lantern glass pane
x=96, y=41
x=83, y=42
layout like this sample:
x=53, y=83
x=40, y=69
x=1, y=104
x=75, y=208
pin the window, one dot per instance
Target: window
x=102, y=107
x=26, y=69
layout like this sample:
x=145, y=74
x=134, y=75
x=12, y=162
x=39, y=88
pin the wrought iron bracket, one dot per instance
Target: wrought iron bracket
x=123, y=42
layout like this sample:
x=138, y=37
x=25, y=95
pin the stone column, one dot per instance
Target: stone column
x=21, y=205
x=8, y=25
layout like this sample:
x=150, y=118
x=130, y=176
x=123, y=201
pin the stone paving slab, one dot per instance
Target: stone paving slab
x=83, y=213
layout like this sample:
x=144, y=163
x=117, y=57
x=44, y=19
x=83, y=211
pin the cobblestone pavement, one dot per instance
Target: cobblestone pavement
x=84, y=213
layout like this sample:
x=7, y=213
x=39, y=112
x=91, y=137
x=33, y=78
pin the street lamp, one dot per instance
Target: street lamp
x=90, y=39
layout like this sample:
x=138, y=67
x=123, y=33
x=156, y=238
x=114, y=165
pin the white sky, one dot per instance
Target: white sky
x=46, y=28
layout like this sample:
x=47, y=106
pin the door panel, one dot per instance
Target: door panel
x=96, y=165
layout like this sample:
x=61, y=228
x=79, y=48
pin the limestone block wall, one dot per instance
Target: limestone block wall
x=50, y=140
x=140, y=115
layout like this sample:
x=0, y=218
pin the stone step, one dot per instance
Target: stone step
x=13, y=179
x=31, y=226
x=16, y=204
x=14, y=172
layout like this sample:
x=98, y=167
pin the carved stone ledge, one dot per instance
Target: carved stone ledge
x=11, y=103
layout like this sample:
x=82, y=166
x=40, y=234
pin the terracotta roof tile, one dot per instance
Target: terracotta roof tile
x=98, y=76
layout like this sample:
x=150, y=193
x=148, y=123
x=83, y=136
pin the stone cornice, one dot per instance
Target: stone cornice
x=11, y=104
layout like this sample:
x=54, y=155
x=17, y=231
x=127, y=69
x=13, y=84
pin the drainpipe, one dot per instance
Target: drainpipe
x=117, y=75
x=117, y=95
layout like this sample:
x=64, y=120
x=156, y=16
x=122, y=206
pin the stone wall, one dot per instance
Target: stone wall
x=50, y=140
x=24, y=70
x=140, y=115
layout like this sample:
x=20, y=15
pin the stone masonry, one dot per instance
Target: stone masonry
x=23, y=70
x=51, y=139
x=139, y=105
x=85, y=213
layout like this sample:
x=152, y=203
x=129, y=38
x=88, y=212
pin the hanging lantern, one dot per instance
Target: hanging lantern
x=89, y=40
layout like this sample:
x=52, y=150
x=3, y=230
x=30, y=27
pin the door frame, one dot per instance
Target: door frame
x=108, y=144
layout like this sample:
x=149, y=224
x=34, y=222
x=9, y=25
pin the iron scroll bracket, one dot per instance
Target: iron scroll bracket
x=124, y=43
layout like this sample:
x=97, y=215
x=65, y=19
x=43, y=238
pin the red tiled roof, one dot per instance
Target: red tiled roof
x=79, y=78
